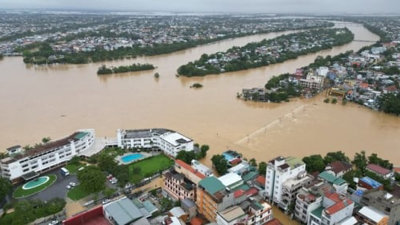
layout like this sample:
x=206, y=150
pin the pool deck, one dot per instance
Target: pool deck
x=145, y=155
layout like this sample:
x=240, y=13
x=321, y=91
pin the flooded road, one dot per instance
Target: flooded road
x=54, y=101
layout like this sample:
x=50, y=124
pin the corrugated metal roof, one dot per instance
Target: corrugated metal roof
x=123, y=211
x=371, y=214
x=212, y=185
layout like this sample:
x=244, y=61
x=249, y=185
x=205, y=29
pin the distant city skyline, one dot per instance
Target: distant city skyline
x=382, y=7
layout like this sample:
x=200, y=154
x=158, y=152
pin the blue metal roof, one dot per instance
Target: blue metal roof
x=371, y=182
x=359, y=192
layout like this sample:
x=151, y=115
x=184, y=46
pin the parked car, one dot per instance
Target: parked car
x=113, y=180
x=54, y=222
x=72, y=184
x=68, y=187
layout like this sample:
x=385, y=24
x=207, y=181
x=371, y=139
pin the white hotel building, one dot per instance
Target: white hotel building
x=279, y=170
x=24, y=165
x=168, y=141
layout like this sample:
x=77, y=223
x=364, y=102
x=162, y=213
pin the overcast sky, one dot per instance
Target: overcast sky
x=267, y=6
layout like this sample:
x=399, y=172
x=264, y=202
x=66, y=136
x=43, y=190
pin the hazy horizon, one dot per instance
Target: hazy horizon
x=381, y=7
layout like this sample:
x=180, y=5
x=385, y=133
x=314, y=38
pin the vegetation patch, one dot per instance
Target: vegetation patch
x=267, y=52
x=21, y=193
x=148, y=167
x=27, y=211
x=123, y=69
x=77, y=193
x=196, y=85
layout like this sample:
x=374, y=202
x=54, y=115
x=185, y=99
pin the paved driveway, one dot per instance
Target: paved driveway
x=58, y=189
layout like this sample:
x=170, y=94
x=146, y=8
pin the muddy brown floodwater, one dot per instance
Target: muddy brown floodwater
x=39, y=101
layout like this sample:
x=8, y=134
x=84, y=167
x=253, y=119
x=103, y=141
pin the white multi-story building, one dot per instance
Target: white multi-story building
x=231, y=216
x=312, y=81
x=168, y=141
x=309, y=198
x=27, y=164
x=335, y=208
x=250, y=212
x=280, y=170
x=291, y=187
x=201, y=168
x=259, y=213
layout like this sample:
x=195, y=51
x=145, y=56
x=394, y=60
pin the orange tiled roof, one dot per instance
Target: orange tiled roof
x=188, y=167
x=340, y=203
x=196, y=221
x=364, y=85
x=338, y=206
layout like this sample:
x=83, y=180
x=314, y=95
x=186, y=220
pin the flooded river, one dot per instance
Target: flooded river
x=53, y=101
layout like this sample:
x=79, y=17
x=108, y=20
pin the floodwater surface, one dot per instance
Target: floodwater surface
x=40, y=101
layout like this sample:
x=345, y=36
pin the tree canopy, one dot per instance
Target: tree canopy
x=336, y=156
x=262, y=168
x=5, y=187
x=220, y=164
x=314, y=163
x=92, y=179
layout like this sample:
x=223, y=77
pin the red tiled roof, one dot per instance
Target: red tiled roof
x=273, y=222
x=235, y=161
x=333, y=196
x=391, y=88
x=338, y=206
x=238, y=193
x=396, y=169
x=339, y=166
x=261, y=180
x=189, y=168
x=378, y=169
x=252, y=191
x=341, y=202
x=93, y=216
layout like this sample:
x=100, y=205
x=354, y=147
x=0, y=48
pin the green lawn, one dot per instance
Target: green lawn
x=73, y=168
x=149, y=167
x=21, y=193
x=77, y=193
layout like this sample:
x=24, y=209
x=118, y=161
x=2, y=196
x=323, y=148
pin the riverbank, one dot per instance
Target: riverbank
x=369, y=77
x=130, y=42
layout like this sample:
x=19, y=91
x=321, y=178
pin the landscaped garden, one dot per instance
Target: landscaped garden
x=34, y=186
x=74, y=165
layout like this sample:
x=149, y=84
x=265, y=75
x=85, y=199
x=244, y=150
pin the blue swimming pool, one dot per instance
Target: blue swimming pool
x=36, y=182
x=131, y=157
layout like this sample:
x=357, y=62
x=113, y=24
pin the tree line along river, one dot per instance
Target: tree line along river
x=39, y=101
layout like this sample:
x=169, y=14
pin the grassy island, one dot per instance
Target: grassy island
x=103, y=70
x=196, y=85
x=267, y=52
